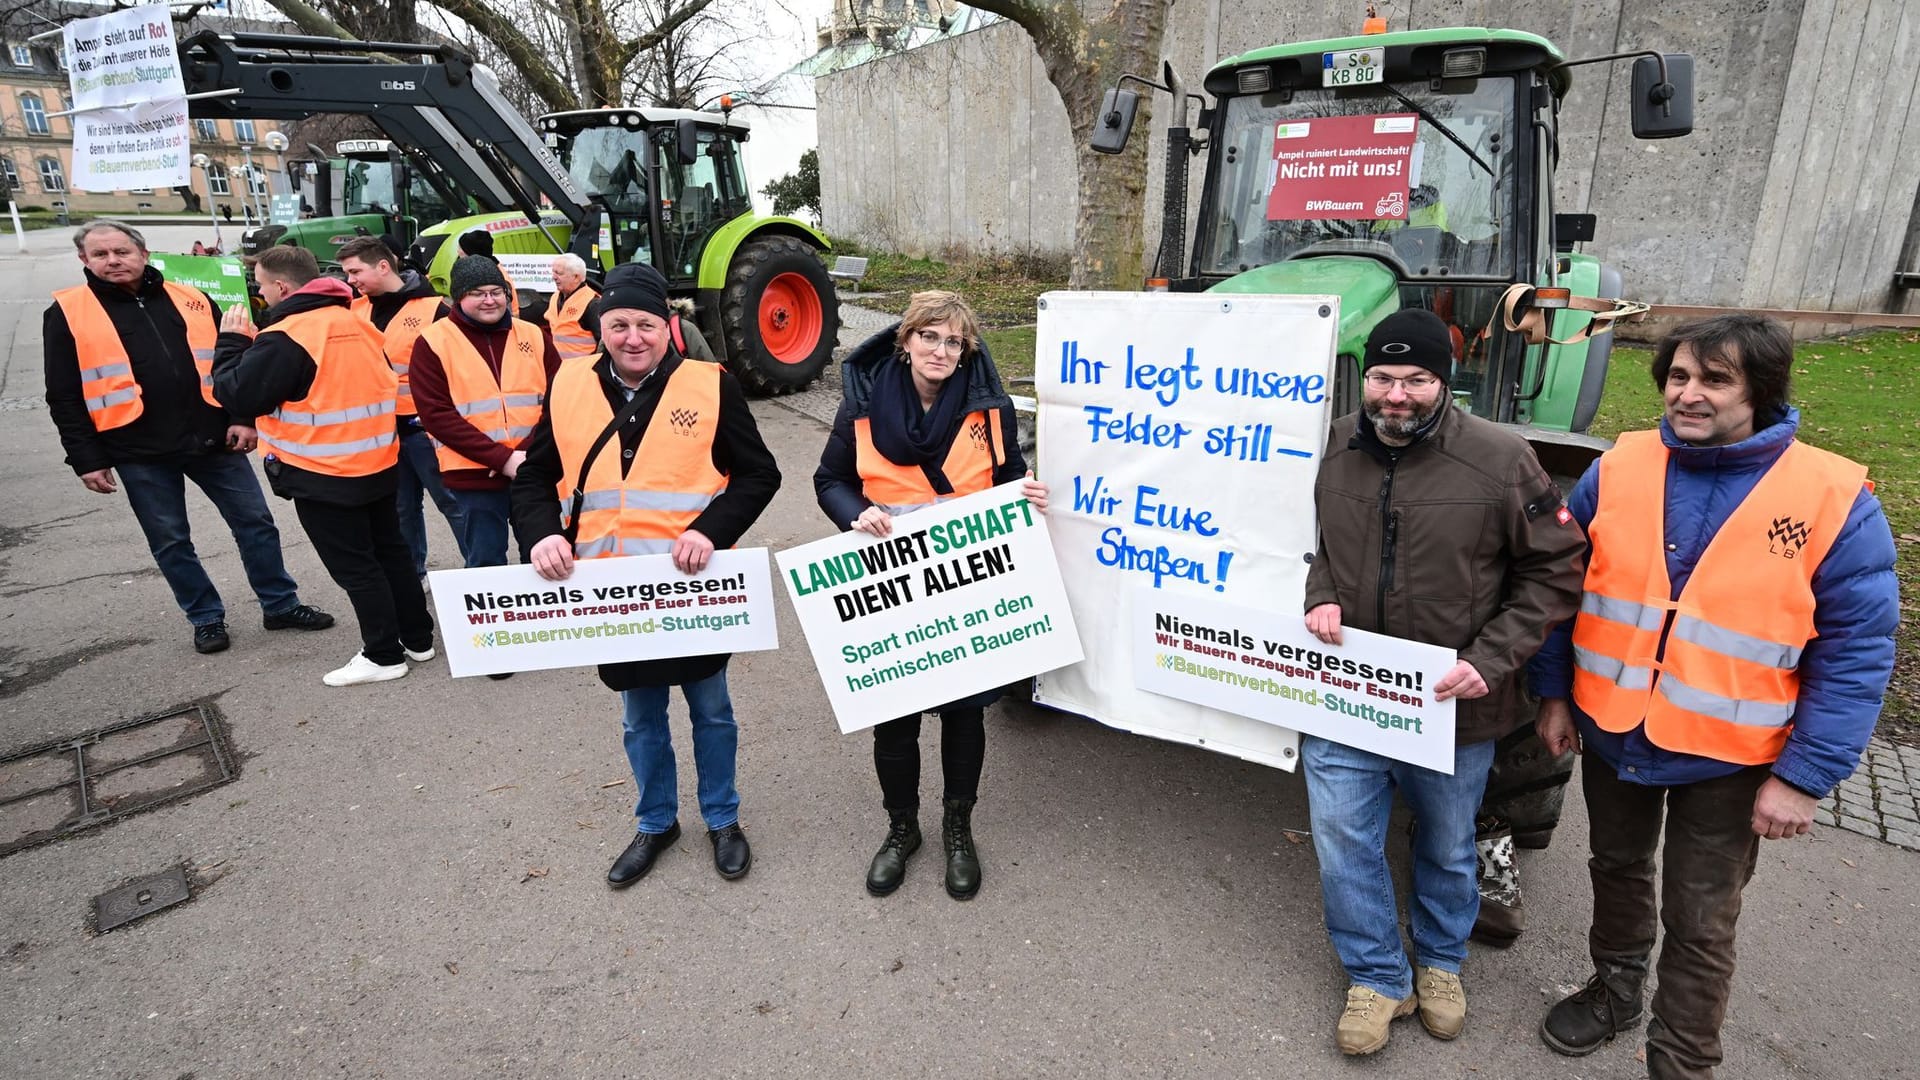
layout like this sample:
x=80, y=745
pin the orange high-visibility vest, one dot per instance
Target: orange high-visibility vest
x=402, y=331
x=344, y=426
x=504, y=409
x=672, y=478
x=106, y=372
x=1716, y=671
x=570, y=339
x=901, y=489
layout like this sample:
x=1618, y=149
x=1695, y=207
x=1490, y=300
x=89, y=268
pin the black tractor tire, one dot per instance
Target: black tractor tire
x=778, y=284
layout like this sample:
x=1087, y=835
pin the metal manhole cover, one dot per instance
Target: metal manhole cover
x=59, y=788
x=138, y=899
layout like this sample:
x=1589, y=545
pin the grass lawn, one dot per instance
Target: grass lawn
x=1858, y=396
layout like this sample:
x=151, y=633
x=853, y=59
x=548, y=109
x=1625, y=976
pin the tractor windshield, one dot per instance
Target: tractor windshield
x=696, y=198
x=1419, y=177
x=369, y=187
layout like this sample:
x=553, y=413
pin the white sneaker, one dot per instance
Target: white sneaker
x=420, y=657
x=362, y=670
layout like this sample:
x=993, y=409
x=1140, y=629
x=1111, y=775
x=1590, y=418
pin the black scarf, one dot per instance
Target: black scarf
x=908, y=434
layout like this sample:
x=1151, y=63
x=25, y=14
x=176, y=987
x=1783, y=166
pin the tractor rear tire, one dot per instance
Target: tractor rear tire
x=780, y=315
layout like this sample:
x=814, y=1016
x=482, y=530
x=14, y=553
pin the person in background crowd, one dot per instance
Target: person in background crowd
x=129, y=366
x=574, y=313
x=687, y=473
x=923, y=418
x=400, y=304
x=1727, y=666
x=1439, y=527
x=318, y=379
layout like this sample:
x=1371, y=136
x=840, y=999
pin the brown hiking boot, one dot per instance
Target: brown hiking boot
x=1363, y=1026
x=1443, y=1002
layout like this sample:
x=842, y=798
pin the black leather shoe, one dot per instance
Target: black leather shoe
x=633, y=863
x=1584, y=1022
x=732, y=855
x=889, y=867
x=304, y=617
x=210, y=638
x=963, y=865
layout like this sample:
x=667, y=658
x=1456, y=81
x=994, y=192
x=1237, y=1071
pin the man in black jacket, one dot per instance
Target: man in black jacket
x=638, y=366
x=320, y=384
x=164, y=428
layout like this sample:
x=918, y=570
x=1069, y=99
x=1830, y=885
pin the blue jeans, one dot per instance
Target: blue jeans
x=1350, y=793
x=158, y=495
x=484, y=517
x=650, y=751
x=420, y=473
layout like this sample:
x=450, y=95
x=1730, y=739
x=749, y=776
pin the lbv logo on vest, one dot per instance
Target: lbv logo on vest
x=683, y=420
x=1787, y=537
x=978, y=433
x=196, y=305
x=411, y=322
x=524, y=346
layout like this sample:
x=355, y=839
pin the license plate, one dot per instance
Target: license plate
x=1354, y=67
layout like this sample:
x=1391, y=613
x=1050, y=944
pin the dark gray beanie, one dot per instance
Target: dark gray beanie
x=472, y=272
x=634, y=285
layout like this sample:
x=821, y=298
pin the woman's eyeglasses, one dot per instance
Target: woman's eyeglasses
x=933, y=340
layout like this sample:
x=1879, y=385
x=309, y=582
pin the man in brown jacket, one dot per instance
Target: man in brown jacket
x=1439, y=527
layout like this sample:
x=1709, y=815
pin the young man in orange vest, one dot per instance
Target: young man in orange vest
x=316, y=376
x=129, y=357
x=573, y=315
x=685, y=473
x=479, y=378
x=400, y=306
x=1725, y=671
x=1439, y=527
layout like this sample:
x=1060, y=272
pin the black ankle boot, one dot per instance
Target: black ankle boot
x=963, y=866
x=1585, y=1021
x=889, y=866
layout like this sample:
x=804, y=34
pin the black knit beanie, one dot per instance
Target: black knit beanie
x=472, y=272
x=1411, y=336
x=477, y=242
x=634, y=285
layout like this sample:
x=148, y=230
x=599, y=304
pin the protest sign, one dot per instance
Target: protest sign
x=283, y=209
x=1180, y=435
x=533, y=273
x=1343, y=167
x=509, y=618
x=220, y=276
x=129, y=101
x=964, y=596
x=1371, y=691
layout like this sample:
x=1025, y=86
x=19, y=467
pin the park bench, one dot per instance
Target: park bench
x=850, y=268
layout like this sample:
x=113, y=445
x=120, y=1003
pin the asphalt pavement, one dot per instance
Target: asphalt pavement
x=406, y=879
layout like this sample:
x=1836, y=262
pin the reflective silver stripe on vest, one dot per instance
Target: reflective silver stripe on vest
x=1612, y=669
x=203, y=354
x=338, y=416
x=502, y=403
x=400, y=369
x=89, y=374
x=620, y=499
x=569, y=339
x=613, y=545
x=514, y=400
x=1622, y=611
x=1744, y=713
x=519, y=431
x=472, y=407
x=326, y=450
x=117, y=397
x=1736, y=644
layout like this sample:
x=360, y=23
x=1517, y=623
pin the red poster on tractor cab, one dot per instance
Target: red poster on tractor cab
x=1342, y=167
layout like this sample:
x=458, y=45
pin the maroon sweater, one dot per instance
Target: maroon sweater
x=444, y=422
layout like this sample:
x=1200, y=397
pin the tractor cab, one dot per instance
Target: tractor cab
x=1411, y=169
x=374, y=178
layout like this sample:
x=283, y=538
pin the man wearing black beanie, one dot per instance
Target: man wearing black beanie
x=686, y=474
x=1440, y=527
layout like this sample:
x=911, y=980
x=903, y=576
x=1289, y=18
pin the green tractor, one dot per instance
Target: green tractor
x=1410, y=169
x=370, y=188
x=671, y=192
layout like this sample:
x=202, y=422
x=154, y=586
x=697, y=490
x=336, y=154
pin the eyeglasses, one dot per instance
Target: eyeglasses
x=933, y=340
x=488, y=294
x=1414, y=384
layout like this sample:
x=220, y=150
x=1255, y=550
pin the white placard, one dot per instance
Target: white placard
x=533, y=273
x=1371, y=691
x=509, y=618
x=137, y=146
x=1180, y=435
x=124, y=57
x=964, y=596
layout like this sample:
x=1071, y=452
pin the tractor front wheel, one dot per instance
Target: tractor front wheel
x=780, y=315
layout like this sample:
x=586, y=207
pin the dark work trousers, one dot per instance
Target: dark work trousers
x=1710, y=854
x=364, y=553
x=896, y=756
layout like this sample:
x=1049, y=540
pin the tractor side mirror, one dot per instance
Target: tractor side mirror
x=1663, y=109
x=686, y=140
x=1115, y=122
